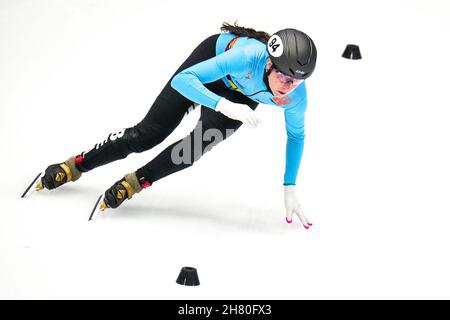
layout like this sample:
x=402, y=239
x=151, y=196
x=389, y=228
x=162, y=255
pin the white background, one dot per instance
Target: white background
x=374, y=177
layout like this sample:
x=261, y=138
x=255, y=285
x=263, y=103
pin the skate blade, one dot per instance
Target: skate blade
x=99, y=207
x=36, y=185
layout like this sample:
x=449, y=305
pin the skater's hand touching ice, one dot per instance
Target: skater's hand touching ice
x=293, y=207
x=238, y=111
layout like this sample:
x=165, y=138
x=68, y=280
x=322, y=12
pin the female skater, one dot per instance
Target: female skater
x=228, y=74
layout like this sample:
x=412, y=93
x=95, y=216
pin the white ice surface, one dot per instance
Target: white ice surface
x=374, y=178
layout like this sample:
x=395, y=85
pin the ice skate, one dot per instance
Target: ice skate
x=54, y=176
x=116, y=194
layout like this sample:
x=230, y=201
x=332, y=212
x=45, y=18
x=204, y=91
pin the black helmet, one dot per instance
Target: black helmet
x=293, y=53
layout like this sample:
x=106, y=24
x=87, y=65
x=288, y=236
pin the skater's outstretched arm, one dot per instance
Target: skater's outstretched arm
x=295, y=129
x=295, y=123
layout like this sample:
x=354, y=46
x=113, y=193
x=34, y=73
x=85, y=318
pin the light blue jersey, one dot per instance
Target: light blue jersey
x=245, y=63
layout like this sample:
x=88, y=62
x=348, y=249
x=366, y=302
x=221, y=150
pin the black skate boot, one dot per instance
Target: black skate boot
x=121, y=190
x=58, y=174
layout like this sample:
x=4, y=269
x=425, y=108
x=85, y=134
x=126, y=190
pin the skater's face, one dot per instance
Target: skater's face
x=279, y=83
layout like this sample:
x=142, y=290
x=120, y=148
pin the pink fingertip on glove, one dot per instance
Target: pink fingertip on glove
x=288, y=221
